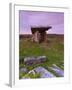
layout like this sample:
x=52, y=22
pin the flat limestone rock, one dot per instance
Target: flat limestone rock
x=34, y=60
x=43, y=72
x=57, y=70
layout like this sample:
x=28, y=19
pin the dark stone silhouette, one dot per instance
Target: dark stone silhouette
x=39, y=33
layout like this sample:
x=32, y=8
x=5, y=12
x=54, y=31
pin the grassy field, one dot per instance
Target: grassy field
x=53, y=49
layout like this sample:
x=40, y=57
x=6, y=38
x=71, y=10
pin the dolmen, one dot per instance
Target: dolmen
x=34, y=60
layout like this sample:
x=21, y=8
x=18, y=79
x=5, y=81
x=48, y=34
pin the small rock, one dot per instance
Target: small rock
x=23, y=70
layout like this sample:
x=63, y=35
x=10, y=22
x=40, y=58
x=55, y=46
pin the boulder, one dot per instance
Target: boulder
x=34, y=60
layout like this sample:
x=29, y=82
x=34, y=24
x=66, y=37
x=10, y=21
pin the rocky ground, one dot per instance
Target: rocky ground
x=41, y=72
x=46, y=59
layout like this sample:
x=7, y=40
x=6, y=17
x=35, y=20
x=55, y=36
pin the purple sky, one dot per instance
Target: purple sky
x=35, y=18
